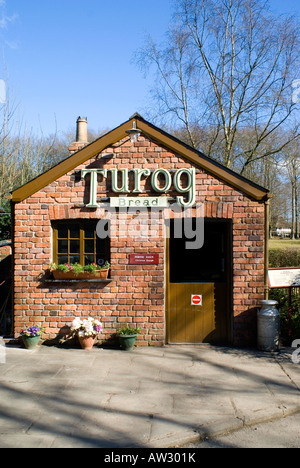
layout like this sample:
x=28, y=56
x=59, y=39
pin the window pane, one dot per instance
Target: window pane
x=74, y=259
x=89, y=246
x=88, y=259
x=62, y=232
x=89, y=232
x=100, y=260
x=101, y=246
x=74, y=231
x=62, y=259
x=74, y=246
x=63, y=246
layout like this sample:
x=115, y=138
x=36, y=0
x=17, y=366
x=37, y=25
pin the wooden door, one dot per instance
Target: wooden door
x=207, y=274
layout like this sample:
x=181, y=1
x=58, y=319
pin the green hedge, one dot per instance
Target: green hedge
x=280, y=258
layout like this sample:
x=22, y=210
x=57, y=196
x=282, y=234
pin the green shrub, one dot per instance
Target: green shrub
x=282, y=297
x=280, y=258
x=5, y=221
x=128, y=331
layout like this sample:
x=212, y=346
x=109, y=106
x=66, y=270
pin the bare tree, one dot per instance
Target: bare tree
x=7, y=159
x=292, y=166
x=228, y=65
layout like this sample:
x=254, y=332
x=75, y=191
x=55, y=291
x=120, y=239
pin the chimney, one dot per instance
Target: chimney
x=81, y=135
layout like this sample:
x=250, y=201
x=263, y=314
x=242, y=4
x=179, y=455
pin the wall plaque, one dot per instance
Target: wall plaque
x=143, y=259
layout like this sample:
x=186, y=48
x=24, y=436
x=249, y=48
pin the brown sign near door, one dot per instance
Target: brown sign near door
x=143, y=259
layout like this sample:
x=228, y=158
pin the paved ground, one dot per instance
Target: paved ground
x=279, y=433
x=150, y=397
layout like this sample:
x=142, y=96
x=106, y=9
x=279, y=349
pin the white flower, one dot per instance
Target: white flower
x=76, y=324
x=86, y=327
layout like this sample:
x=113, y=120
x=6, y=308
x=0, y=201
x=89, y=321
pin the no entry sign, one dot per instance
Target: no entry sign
x=196, y=299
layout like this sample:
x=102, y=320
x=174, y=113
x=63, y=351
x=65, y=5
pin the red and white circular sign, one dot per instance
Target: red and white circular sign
x=196, y=299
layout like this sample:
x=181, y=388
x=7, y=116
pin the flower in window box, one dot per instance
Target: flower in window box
x=77, y=271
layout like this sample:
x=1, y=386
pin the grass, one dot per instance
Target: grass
x=284, y=244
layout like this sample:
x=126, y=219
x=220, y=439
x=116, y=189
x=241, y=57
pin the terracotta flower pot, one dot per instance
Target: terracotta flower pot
x=87, y=342
x=103, y=274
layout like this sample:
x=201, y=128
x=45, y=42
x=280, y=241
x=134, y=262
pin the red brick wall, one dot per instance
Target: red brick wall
x=136, y=294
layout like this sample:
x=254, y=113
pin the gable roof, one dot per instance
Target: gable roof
x=159, y=136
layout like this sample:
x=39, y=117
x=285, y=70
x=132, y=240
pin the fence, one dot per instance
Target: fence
x=289, y=312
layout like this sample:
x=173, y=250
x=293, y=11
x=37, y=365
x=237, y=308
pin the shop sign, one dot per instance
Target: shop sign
x=120, y=185
x=139, y=202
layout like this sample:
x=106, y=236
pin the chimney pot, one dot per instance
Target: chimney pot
x=81, y=135
x=81, y=130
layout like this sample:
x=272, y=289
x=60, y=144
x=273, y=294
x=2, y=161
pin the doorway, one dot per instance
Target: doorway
x=199, y=285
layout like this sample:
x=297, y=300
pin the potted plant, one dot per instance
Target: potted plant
x=127, y=337
x=31, y=336
x=86, y=331
x=76, y=271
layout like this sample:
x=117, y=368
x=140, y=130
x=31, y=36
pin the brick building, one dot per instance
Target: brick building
x=151, y=192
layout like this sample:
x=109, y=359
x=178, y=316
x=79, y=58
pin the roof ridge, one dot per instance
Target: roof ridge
x=156, y=134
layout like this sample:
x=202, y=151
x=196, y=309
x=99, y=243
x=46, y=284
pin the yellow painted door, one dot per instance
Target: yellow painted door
x=205, y=323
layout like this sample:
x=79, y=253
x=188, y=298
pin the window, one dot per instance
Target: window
x=77, y=242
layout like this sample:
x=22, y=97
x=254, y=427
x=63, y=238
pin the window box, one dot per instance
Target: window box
x=69, y=275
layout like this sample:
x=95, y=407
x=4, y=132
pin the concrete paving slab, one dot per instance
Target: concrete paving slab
x=141, y=403
x=205, y=403
x=150, y=397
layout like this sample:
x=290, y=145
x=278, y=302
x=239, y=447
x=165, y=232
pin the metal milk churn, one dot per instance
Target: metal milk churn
x=268, y=326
